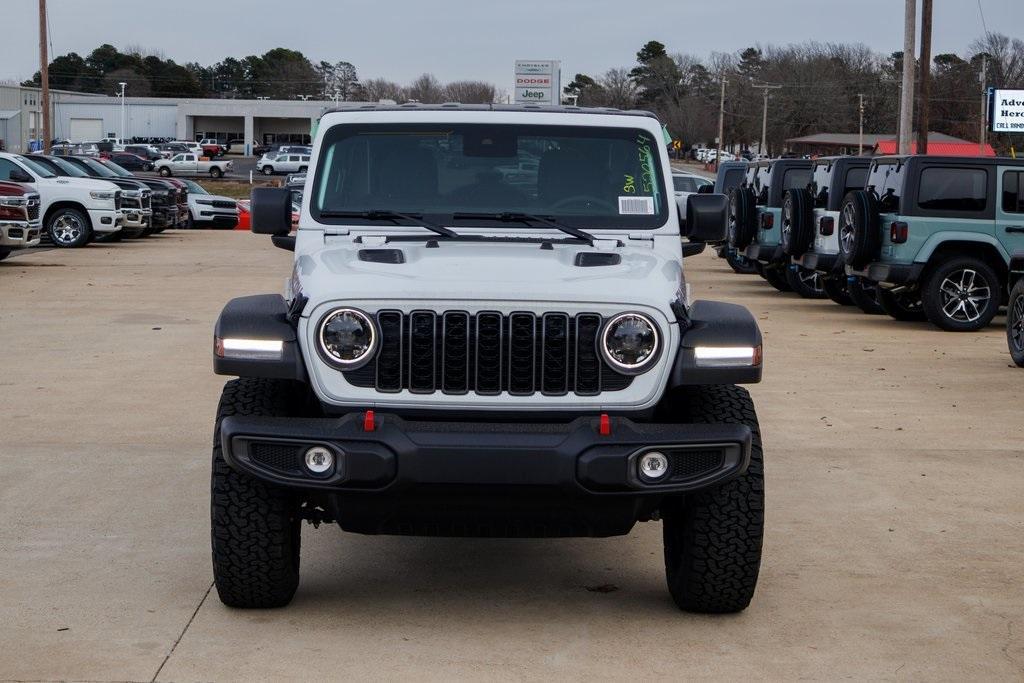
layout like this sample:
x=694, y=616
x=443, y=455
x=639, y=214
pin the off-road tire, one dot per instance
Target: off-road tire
x=165, y=171
x=835, y=289
x=742, y=217
x=935, y=299
x=1014, y=323
x=805, y=282
x=713, y=538
x=267, y=170
x=797, y=222
x=739, y=263
x=215, y=172
x=776, y=277
x=84, y=226
x=903, y=306
x=859, y=234
x=255, y=527
x=864, y=296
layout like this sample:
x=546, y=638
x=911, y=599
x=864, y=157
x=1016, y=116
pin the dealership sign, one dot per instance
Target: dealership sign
x=538, y=81
x=1006, y=111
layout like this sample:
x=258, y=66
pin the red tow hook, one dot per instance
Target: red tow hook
x=605, y=426
x=369, y=424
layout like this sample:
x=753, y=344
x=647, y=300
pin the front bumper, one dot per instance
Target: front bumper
x=106, y=220
x=399, y=455
x=137, y=218
x=895, y=274
x=218, y=219
x=19, y=234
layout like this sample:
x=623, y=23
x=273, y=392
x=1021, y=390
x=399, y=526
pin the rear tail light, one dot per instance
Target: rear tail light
x=898, y=232
x=767, y=221
x=826, y=225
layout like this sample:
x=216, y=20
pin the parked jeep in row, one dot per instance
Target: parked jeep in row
x=1015, y=309
x=935, y=234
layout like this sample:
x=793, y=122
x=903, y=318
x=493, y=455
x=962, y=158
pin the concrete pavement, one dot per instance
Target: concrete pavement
x=895, y=521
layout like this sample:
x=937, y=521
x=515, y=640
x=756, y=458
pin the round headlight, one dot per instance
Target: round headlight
x=348, y=338
x=629, y=343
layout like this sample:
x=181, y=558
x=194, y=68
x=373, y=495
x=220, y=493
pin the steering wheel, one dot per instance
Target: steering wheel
x=583, y=199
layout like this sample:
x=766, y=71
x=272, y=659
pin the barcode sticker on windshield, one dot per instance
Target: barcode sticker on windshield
x=642, y=206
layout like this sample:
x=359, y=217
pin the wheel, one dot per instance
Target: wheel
x=835, y=289
x=303, y=169
x=961, y=294
x=1014, y=323
x=905, y=306
x=864, y=295
x=255, y=527
x=797, y=222
x=147, y=167
x=739, y=263
x=806, y=283
x=215, y=172
x=713, y=538
x=776, y=277
x=742, y=217
x=165, y=171
x=859, y=232
x=69, y=228
x=268, y=170
x=191, y=222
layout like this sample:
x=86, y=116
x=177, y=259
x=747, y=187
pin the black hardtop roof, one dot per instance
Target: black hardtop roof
x=844, y=158
x=972, y=161
x=457, y=106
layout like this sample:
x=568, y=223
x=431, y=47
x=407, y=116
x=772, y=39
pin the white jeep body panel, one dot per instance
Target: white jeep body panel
x=476, y=276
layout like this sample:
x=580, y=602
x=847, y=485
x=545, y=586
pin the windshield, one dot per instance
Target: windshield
x=686, y=183
x=97, y=168
x=37, y=168
x=67, y=167
x=581, y=176
x=118, y=170
x=194, y=187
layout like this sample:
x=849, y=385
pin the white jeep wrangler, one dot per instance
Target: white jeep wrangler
x=460, y=355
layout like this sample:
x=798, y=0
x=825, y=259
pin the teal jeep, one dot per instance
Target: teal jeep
x=756, y=217
x=936, y=234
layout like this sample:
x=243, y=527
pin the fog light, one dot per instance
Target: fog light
x=653, y=466
x=319, y=460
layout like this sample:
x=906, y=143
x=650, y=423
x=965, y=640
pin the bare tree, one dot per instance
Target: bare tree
x=469, y=92
x=426, y=89
x=377, y=89
x=619, y=89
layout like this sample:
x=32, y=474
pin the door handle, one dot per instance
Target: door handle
x=1015, y=228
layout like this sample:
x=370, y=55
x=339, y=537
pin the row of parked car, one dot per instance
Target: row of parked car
x=915, y=237
x=72, y=200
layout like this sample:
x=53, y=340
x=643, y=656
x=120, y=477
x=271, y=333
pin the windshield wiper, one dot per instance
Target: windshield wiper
x=394, y=216
x=520, y=217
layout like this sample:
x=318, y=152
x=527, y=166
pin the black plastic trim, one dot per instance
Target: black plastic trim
x=716, y=323
x=263, y=316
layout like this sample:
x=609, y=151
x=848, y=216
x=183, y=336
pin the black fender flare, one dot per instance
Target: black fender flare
x=716, y=324
x=1016, y=268
x=265, y=317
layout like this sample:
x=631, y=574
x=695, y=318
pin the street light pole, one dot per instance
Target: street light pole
x=860, y=129
x=44, y=79
x=721, y=125
x=764, y=115
x=124, y=133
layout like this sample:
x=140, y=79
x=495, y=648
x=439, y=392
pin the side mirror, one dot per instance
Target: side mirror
x=19, y=176
x=271, y=209
x=706, y=189
x=707, y=218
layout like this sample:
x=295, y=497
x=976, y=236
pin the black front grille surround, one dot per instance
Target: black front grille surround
x=488, y=353
x=32, y=207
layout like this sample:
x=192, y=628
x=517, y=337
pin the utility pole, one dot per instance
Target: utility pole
x=907, y=95
x=44, y=78
x=984, y=106
x=926, y=59
x=721, y=124
x=764, y=115
x=860, y=129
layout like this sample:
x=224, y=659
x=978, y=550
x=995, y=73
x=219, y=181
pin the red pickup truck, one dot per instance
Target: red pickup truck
x=212, y=148
x=19, y=218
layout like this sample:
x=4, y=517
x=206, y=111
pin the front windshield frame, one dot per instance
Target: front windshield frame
x=97, y=168
x=67, y=167
x=650, y=163
x=36, y=167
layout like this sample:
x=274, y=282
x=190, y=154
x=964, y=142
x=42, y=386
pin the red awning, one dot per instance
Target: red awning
x=946, y=149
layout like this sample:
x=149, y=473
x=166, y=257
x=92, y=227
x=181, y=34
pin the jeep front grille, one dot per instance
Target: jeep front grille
x=488, y=353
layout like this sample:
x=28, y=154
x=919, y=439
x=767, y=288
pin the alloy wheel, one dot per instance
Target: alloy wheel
x=846, y=229
x=1017, y=324
x=964, y=295
x=66, y=229
x=811, y=279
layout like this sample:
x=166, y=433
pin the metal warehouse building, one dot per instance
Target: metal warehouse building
x=84, y=117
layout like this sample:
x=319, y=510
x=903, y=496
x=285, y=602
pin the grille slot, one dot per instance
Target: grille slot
x=277, y=456
x=33, y=207
x=691, y=464
x=488, y=353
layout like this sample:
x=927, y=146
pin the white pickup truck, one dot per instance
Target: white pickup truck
x=74, y=210
x=190, y=164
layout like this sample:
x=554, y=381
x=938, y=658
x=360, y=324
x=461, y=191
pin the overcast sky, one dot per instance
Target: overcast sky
x=476, y=39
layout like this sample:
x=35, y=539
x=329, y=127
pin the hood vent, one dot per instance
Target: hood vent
x=393, y=256
x=591, y=259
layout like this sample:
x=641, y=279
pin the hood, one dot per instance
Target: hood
x=84, y=183
x=478, y=271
